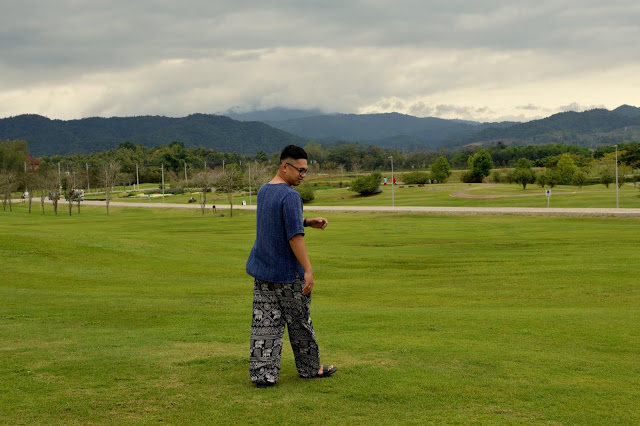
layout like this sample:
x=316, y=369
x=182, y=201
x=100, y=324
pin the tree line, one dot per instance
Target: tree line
x=197, y=167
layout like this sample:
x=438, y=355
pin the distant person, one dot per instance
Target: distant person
x=394, y=180
x=283, y=277
x=385, y=181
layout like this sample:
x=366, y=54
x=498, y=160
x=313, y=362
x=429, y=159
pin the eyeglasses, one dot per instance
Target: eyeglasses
x=303, y=172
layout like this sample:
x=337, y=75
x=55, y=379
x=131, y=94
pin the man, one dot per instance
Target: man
x=283, y=277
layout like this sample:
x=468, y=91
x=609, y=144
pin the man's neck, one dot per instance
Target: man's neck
x=278, y=179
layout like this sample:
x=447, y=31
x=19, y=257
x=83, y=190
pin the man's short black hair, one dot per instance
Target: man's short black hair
x=294, y=152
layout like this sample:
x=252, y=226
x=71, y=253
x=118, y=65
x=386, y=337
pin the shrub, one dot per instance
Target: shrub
x=470, y=177
x=416, y=178
x=366, y=185
x=306, y=191
x=496, y=176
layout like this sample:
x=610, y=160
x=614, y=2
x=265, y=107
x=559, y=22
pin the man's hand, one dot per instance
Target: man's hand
x=308, y=283
x=317, y=222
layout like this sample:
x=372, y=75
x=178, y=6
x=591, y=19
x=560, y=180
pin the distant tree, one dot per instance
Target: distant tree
x=630, y=155
x=204, y=180
x=109, y=178
x=566, y=169
x=259, y=174
x=127, y=145
x=580, y=178
x=261, y=157
x=51, y=185
x=40, y=184
x=366, y=185
x=550, y=177
x=523, y=173
x=607, y=177
x=230, y=178
x=480, y=165
x=459, y=160
x=69, y=190
x=441, y=170
x=13, y=155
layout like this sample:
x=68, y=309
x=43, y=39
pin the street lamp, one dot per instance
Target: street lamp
x=617, y=187
x=393, y=202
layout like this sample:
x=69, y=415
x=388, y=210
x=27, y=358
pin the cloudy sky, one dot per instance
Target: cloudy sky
x=484, y=60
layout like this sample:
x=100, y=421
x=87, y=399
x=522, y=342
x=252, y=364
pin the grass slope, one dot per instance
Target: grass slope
x=143, y=316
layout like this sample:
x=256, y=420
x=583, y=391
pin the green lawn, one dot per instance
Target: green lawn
x=593, y=196
x=440, y=195
x=143, y=316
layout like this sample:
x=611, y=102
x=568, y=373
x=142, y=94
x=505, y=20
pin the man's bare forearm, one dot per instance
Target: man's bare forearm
x=300, y=251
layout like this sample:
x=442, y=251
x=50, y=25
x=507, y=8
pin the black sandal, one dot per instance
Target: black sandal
x=326, y=372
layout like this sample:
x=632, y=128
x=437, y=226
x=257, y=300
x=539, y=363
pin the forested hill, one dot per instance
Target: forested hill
x=589, y=128
x=50, y=137
x=387, y=130
x=393, y=130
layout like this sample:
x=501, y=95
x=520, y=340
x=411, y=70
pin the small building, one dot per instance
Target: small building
x=32, y=163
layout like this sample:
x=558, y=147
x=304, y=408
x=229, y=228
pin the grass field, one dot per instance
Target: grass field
x=143, y=316
x=593, y=196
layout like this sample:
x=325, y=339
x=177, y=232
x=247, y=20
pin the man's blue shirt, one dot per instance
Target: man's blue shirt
x=279, y=218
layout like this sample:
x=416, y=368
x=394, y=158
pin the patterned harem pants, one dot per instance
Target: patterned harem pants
x=274, y=305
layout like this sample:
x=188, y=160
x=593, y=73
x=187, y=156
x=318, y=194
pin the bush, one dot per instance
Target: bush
x=367, y=185
x=306, y=191
x=470, y=177
x=496, y=176
x=416, y=178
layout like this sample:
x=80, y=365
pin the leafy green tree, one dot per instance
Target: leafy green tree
x=566, y=169
x=441, y=170
x=367, y=185
x=480, y=165
x=524, y=174
x=13, y=154
x=550, y=177
x=630, y=154
x=261, y=157
x=607, y=177
x=580, y=178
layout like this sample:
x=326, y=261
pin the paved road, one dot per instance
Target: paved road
x=522, y=211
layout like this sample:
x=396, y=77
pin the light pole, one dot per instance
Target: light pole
x=393, y=202
x=617, y=200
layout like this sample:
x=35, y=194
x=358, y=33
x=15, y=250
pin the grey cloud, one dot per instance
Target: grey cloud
x=529, y=107
x=126, y=56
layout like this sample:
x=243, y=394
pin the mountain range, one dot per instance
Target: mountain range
x=270, y=130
